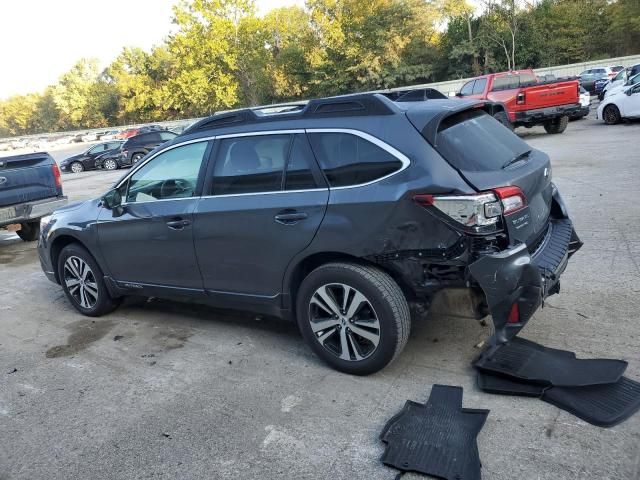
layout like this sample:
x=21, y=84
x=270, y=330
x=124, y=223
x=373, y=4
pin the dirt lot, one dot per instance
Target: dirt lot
x=159, y=389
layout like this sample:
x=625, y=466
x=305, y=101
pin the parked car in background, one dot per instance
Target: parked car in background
x=616, y=69
x=633, y=70
x=137, y=147
x=335, y=216
x=585, y=105
x=108, y=135
x=621, y=105
x=30, y=188
x=526, y=100
x=631, y=81
x=589, y=77
x=87, y=159
x=89, y=137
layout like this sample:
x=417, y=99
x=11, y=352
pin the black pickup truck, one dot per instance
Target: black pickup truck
x=30, y=188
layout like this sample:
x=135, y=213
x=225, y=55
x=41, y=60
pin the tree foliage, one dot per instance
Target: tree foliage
x=223, y=55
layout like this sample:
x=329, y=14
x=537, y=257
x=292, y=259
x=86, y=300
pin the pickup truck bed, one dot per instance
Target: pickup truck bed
x=30, y=188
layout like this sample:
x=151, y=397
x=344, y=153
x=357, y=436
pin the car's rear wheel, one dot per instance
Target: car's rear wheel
x=557, y=125
x=77, y=167
x=110, y=164
x=354, y=317
x=29, y=231
x=83, y=282
x=136, y=157
x=611, y=115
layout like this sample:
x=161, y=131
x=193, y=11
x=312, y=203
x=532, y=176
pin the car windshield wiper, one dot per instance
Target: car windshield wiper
x=523, y=156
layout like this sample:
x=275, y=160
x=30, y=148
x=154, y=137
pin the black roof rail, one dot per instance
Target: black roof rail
x=340, y=106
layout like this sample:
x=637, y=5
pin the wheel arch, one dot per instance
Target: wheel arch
x=297, y=273
x=57, y=245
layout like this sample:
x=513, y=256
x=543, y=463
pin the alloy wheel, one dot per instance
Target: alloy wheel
x=80, y=282
x=110, y=165
x=610, y=115
x=76, y=167
x=344, y=322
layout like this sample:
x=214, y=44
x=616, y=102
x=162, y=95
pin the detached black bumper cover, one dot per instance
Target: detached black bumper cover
x=516, y=276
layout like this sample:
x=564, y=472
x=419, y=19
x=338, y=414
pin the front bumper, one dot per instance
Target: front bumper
x=29, y=211
x=518, y=277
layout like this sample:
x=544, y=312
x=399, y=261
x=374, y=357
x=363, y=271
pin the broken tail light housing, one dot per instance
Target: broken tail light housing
x=479, y=213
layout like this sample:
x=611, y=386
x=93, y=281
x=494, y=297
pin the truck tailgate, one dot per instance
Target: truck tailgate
x=552, y=94
x=25, y=178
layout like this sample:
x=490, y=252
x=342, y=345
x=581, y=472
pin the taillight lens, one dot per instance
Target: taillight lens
x=512, y=199
x=478, y=211
x=56, y=175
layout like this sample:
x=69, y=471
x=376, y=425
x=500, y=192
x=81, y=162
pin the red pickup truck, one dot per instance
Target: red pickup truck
x=527, y=100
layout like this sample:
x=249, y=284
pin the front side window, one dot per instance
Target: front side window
x=171, y=174
x=467, y=89
x=478, y=88
x=347, y=159
x=252, y=164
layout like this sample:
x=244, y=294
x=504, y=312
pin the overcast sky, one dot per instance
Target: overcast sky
x=41, y=39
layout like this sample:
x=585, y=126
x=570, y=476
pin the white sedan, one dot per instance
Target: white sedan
x=624, y=104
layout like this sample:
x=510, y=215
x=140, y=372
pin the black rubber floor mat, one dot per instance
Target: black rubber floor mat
x=525, y=360
x=601, y=405
x=437, y=438
x=508, y=386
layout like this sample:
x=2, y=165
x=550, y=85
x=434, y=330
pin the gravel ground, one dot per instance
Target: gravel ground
x=165, y=390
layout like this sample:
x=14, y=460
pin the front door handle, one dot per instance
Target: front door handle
x=178, y=224
x=290, y=218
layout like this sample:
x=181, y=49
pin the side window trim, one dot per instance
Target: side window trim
x=376, y=141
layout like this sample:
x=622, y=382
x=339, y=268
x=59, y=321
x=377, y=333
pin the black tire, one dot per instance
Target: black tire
x=111, y=164
x=611, y=115
x=384, y=300
x=557, y=125
x=503, y=118
x=76, y=167
x=29, y=231
x=136, y=157
x=103, y=303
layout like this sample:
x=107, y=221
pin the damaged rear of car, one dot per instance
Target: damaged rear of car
x=519, y=234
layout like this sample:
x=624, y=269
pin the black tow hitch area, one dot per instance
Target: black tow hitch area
x=513, y=287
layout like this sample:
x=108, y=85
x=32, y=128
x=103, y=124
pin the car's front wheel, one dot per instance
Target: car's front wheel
x=611, y=115
x=83, y=282
x=354, y=317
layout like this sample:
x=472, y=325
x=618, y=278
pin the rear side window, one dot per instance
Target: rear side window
x=474, y=141
x=164, y=136
x=508, y=82
x=250, y=164
x=347, y=159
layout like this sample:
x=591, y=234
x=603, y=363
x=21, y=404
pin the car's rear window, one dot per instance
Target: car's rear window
x=475, y=141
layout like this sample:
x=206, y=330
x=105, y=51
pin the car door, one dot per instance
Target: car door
x=89, y=160
x=266, y=201
x=631, y=103
x=151, y=244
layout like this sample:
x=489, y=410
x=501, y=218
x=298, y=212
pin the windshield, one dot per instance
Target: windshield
x=475, y=141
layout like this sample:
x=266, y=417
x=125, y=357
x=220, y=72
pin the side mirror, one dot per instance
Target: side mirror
x=629, y=92
x=458, y=94
x=112, y=200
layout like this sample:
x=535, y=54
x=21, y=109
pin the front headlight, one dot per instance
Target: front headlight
x=44, y=221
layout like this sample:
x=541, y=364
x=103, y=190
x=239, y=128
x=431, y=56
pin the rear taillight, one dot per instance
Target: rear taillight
x=521, y=98
x=56, y=175
x=512, y=199
x=477, y=212
x=514, y=314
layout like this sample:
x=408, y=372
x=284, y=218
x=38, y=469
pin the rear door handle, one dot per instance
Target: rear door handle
x=290, y=218
x=178, y=224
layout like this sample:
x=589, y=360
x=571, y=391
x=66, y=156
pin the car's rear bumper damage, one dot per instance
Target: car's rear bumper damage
x=516, y=282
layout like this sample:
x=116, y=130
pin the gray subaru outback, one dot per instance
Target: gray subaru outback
x=338, y=214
